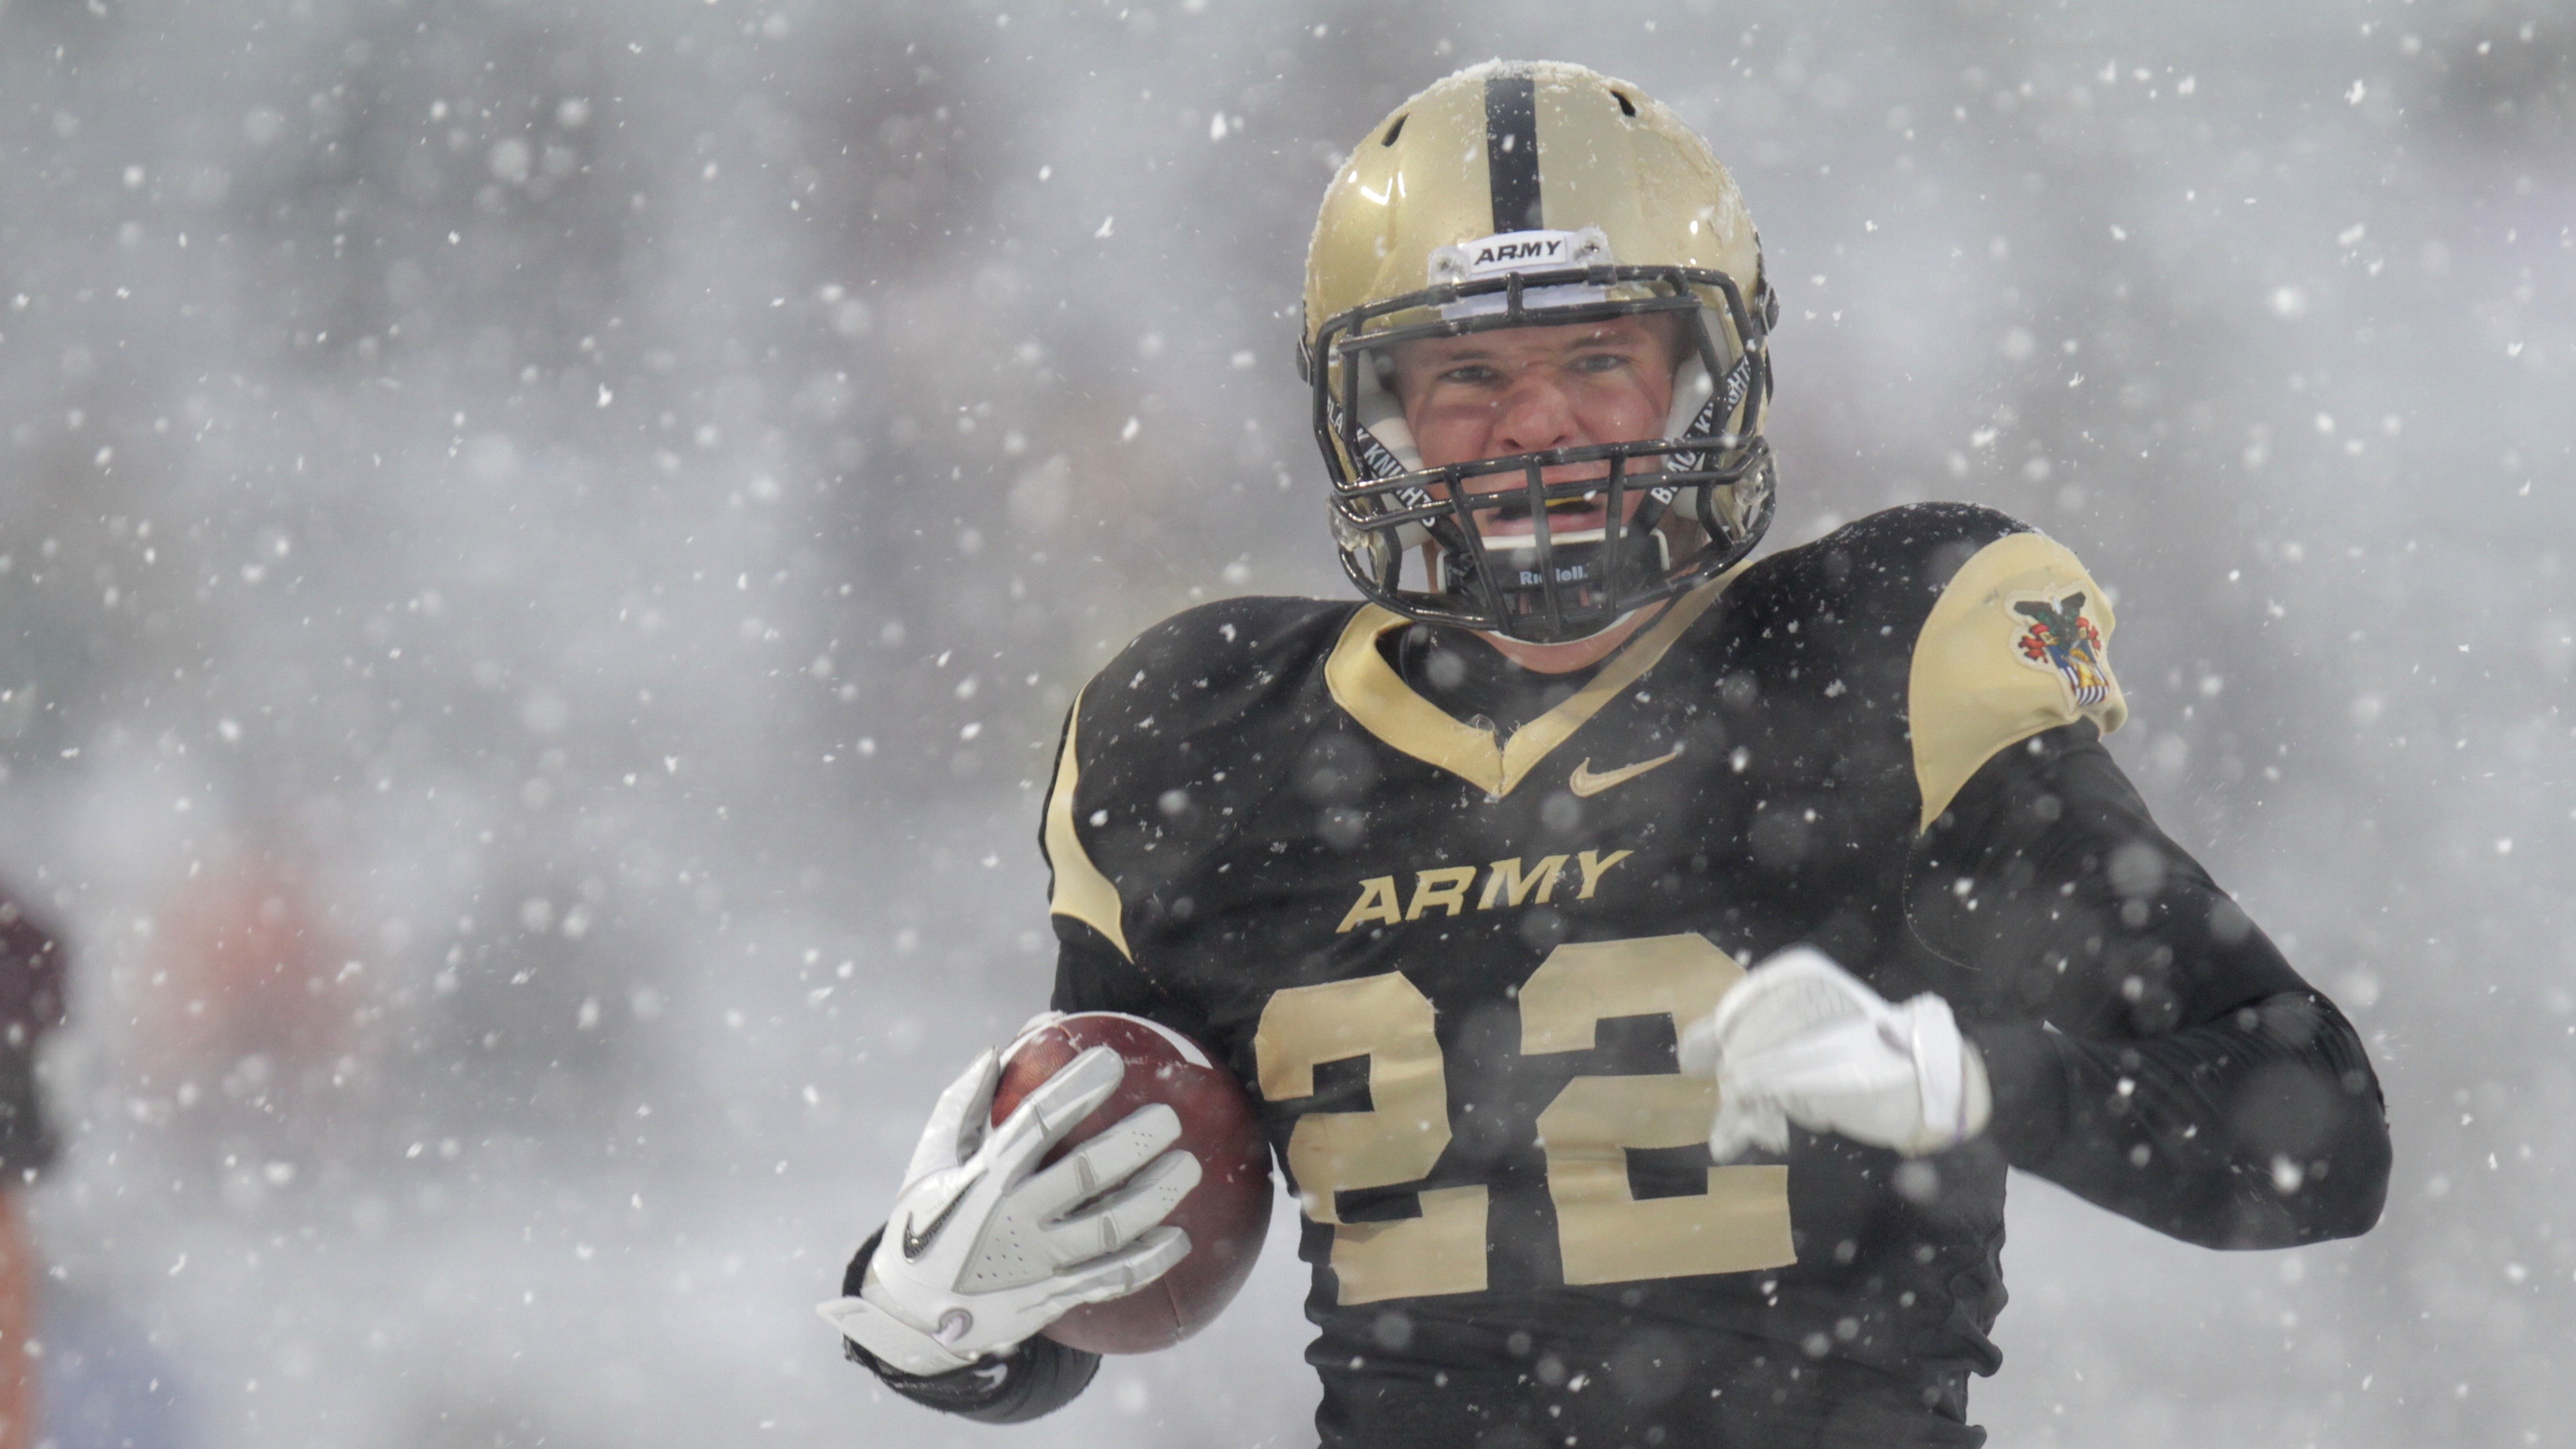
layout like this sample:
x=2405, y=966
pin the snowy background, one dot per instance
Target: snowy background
x=543, y=546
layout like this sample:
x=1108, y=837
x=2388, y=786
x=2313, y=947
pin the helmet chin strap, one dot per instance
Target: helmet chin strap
x=1386, y=442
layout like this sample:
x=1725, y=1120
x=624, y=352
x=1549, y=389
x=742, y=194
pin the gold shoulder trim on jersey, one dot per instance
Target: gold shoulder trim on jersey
x=1081, y=891
x=1371, y=692
x=2016, y=644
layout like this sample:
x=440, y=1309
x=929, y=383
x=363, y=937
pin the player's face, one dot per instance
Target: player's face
x=1530, y=389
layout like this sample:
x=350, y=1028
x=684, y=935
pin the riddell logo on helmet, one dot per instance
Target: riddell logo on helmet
x=1569, y=574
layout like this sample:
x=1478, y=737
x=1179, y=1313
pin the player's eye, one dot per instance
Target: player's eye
x=1600, y=362
x=1471, y=374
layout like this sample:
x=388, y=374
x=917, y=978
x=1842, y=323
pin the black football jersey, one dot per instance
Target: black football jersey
x=1449, y=950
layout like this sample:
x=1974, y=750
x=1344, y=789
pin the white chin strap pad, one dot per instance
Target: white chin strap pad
x=1691, y=392
x=1381, y=417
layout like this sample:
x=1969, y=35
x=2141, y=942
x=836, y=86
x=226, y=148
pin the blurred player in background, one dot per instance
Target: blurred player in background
x=31, y=1004
x=1464, y=880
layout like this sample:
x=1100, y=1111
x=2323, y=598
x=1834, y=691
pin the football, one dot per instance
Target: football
x=1226, y=1215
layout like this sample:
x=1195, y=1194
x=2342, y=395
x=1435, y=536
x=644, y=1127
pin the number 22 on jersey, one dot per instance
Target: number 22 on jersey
x=1605, y=1233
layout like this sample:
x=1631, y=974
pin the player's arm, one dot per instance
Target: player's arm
x=2144, y=1045
x=2129, y=1033
x=1040, y=1375
x=2147, y=1047
x=1095, y=972
x=985, y=1247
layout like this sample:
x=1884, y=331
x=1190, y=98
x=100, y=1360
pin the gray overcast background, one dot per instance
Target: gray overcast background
x=543, y=546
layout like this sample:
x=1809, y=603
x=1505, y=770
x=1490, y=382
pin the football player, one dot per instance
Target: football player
x=1646, y=959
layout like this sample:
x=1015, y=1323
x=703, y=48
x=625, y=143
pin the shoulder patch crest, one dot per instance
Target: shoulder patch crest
x=2018, y=642
x=2061, y=640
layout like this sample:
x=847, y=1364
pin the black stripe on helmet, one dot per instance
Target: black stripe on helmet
x=1511, y=151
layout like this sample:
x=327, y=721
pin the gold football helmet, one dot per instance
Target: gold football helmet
x=1536, y=194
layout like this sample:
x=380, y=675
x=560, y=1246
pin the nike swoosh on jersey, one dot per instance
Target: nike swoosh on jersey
x=917, y=1237
x=1584, y=782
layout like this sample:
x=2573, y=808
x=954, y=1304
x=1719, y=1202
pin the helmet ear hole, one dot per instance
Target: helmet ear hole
x=1398, y=128
x=1627, y=107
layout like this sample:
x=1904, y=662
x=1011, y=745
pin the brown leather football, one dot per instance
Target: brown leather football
x=1226, y=1215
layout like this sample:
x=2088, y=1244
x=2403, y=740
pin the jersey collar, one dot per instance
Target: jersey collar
x=1371, y=692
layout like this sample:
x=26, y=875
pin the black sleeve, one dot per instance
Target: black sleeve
x=1034, y=1379
x=2150, y=1049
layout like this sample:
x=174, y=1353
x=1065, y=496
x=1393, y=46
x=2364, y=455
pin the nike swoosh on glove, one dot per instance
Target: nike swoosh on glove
x=984, y=1249
x=1800, y=1040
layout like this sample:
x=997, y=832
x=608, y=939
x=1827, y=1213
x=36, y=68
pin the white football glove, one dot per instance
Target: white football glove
x=981, y=1251
x=1800, y=1040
